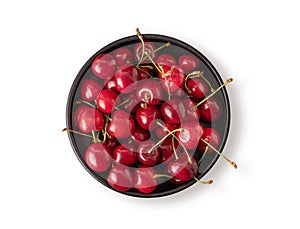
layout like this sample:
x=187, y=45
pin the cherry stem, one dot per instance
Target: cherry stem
x=203, y=182
x=152, y=61
x=121, y=104
x=94, y=137
x=76, y=132
x=185, y=150
x=155, y=176
x=197, y=74
x=147, y=73
x=140, y=36
x=106, y=116
x=85, y=102
x=164, y=138
x=173, y=146
x=218, y=89
x=203, y=155
x=164, y=75
x=159, y=48
x=105, y=130
x=226, y=158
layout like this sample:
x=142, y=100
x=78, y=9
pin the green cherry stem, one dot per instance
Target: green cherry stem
x=140, y=36
x=76, y=132
x=85, y=102
x=203, y=155
x=173, y=147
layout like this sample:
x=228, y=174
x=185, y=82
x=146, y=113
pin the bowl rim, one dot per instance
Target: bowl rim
x=157, y=38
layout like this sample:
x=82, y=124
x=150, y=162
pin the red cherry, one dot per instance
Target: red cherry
x=121, y=125
x=166, y=149
x=77, y=113
x=146, y=117
x=166, y=59
x=191, y=112
x=161, y=132
x=188, y=63
x=120, y=178
x=173, y=78
x=172, y=111
x=122, y=56
x=106, y=100
x=140, y=134
x=97, y=156
x=104, y=66
x=210, y=110
x=111, y=143
x=212, y=136
x=90, y=119
x=150, y=92
x=111, y=85
x=132, y=103
x=190, y=134
x=124, y=155
x=197, y=88
x=144, y=73
x=90, y=89
x=144, y=180
x=146, y=157
x=182, y=169
x=125, y=76
x=138, y=51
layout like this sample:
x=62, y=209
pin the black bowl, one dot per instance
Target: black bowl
x=79, y=144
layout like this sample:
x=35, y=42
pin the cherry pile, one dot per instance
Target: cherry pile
x=143, y=117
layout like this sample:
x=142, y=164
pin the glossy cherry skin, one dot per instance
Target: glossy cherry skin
x=89, y=89
x=138, y=51
x=120, y=178
x=197, y=88
x=190, y=134
x=97, y=156
x=150, y=92
x=146, y=117
x=191, y=112
x=144, y=180
x=125, y=76
x=210, y=110
x=122, y=56
x=212, y=136
x=182, y=169
x=122, y=125
x=188, y=63
x=145, y=157
x=161, y=132
x=172, y=79
x=106, y=100
x=140, y=134
x=90, y=119
x=166, y=149
x=124, y=155
x=166, y=59
x=104, y=66
x=170, y=111
x=77, y=113
x=111, y=84
x=111, y=143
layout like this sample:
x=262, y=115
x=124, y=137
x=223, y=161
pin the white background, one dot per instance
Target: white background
x=44, y=44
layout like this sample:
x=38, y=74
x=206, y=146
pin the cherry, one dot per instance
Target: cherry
x=122, y=56
x=77, y=113
x=210, y=110
x=190, y=134
x=166, y=59
x=138, y=51
x=90, y=119
x=146, y=157
x=90, y=89
x=125, y=76
x=188, y=63
x=172, y=111
x=121, y=125
x=111, y=143
x=191, y=112
x=161, y=131
x=106, y=100
x=140, y=134
x=197, y=88
x=144, y=73
x=124, y=155
x=97, y=156
x=166, y=149
x=150, y=92
x=120, y=178
x=145, y=117
x=172, y=78
x=111, y=85
x=212, y=136
x=104, y=66
x=182, y=169
x=144, y=179
x=130, y=103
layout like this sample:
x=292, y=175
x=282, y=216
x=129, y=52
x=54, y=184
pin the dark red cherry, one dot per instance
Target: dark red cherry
x=190, y=134
x=188, y=63
x=173, y=78
x=122, y=125
x=90, y=89
x=122, y=56
x=140, y=134
x=124, y=155
x=161, y=131
x=172, y=111
x=210, y=110
x=97, y=156
x=146, y=117
x=212, y=136
x=111, y=85
x=166, y=59
x=138, y=51
x=111, y=143
x=77, y=113
x=120, y=178
x=149, y=91
x=104, y=66
x=191, y=112
x=125, y=76
x=144, y=180
x=132, y=103
x=90, y=119
x=144, y=73
x=182, y=169
x=197, y=88
x=106, y=100
x=166, y=149
x=145, y=157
